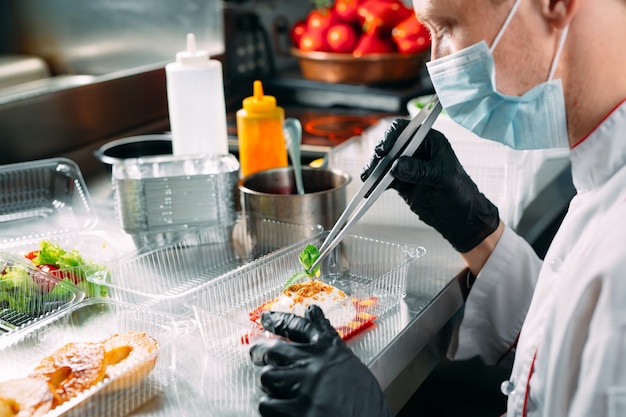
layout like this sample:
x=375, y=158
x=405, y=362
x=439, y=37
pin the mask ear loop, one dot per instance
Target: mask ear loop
x=557, y=54
x=506, y=23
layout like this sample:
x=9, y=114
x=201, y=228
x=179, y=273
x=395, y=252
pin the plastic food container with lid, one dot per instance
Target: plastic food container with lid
x=147, y=374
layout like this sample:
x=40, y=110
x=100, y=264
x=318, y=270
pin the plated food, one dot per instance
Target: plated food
x=27, y=292
x=67, y=264
x=347, y=314
x=124, y=359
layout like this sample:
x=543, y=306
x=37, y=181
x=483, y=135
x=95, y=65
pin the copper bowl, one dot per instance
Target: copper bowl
x=368, y=69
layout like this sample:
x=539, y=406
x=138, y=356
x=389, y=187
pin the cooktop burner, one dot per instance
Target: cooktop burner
x=322, y=129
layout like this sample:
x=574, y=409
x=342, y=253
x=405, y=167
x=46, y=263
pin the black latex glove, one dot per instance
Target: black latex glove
x=315, y=374
x=436, y=187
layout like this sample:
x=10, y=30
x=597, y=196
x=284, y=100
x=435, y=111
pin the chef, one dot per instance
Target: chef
x=532, y=74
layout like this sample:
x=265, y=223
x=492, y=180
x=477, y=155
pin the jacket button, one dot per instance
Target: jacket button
x=555, y=264
x=507, y=387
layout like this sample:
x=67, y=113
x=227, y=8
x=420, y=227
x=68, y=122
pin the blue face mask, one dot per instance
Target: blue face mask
x=465, y=83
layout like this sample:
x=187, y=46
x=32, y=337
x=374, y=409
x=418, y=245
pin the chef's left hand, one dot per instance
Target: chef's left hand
x=314, y=374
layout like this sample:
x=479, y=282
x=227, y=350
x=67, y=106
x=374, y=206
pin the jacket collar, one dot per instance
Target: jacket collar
x=602, y=153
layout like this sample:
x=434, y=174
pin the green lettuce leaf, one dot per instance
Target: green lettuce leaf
x=307, y=258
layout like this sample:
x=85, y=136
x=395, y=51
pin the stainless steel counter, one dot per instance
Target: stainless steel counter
x=406, y=343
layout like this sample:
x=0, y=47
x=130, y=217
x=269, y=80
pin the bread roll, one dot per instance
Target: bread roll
x=72, y=369
x=25, y=397
x=129, y=357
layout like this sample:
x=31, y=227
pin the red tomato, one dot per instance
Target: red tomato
x=374, y=42
x=411, y=36
x=321, y=19
x=32, y=255
x=409, y=26
x=383, y=13
x=314, y=40
x=297, y=30
x=346, y=10
x=413, y=44
x=45, y=286
x=341, y=38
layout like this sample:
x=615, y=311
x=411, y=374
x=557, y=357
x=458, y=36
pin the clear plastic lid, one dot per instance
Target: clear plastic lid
x=43, y=198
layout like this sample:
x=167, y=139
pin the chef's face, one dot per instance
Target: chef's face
x=457, y=24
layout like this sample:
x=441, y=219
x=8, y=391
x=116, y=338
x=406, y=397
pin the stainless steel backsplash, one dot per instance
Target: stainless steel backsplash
x=107, y=58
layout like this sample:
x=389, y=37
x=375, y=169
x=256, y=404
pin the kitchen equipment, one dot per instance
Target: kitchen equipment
x=158, y=196
x=293, y=136
x=367, y=69
x=272, y=194
x=160, y=276
x=134, y=147
x=380, y=179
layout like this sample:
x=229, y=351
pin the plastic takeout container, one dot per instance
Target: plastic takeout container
x=161, y=276
x=95, y=248
x=147, y=374
x=43, y=198
x=364, y=269
x=159, y=195
x=28, y=294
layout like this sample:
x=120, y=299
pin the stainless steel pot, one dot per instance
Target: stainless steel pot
x=272, y=194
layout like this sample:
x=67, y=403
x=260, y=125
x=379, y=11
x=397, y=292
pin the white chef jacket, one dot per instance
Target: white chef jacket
x=566, y=316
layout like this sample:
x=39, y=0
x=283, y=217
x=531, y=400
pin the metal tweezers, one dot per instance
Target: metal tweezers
x=379, y=180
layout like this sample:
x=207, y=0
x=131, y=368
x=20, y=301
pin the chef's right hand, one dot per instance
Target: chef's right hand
x=436, y=187
x=314, y=374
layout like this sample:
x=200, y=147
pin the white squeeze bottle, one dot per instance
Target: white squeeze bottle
x=195, y=95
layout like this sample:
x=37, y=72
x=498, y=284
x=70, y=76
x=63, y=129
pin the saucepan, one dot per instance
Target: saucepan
x=272, y=194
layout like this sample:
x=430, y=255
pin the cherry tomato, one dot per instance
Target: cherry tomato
x=297, y=30
x=321, y=19
x=383, y=13
x=411, y=36
x=346, y=10
x=341, y=38
x=374, y=42
x=32, y=255
x=314, y=40
x=413, y=44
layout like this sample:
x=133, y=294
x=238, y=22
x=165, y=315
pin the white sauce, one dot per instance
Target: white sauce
x=337, y=307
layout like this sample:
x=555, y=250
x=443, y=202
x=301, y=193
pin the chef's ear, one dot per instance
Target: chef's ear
x=559, y=12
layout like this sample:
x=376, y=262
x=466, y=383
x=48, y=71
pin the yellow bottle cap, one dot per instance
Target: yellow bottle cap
x=259, y=102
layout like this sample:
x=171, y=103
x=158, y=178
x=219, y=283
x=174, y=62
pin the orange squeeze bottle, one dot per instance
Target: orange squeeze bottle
x=260, y=133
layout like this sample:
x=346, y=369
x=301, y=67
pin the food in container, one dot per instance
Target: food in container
x=99, y=357
x=74, y=368
x=366, y=270
x=348, y=315
x=67, y=265
x=361, y=42
x=28, y=294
